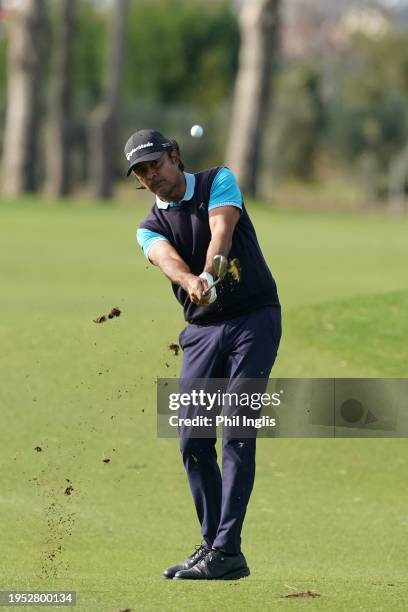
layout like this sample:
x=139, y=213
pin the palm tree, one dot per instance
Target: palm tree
x=23, y=111
x=104, y=120
x=259, y=24
x=60, y=127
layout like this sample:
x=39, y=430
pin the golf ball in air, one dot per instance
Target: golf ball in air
x=196, y=131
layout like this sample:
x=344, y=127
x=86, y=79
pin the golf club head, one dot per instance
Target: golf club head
x=220, y=264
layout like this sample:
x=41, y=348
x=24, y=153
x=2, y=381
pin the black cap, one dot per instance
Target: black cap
x=145, y=145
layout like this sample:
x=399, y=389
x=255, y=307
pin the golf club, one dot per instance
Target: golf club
x=220, y=265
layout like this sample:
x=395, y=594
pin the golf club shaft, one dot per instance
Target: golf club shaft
x=207, y=291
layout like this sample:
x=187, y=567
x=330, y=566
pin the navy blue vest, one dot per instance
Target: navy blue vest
x=187, y=229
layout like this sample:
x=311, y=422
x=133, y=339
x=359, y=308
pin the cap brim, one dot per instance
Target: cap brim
x=145, y=158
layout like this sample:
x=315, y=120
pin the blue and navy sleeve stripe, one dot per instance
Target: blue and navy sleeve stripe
x=225, y=190
x=146, y=238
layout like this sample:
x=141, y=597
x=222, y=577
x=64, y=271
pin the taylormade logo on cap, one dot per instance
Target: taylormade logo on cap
x=142, y=146
x=145, y=146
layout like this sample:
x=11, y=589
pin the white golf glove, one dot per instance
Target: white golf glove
x=209, y=278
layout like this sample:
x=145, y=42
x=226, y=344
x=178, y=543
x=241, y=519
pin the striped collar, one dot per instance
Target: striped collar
x=190, y=186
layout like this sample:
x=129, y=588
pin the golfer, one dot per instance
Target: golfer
x=232, y=332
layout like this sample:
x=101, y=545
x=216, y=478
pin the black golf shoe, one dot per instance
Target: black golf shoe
x=215, y=565
x=199, y=553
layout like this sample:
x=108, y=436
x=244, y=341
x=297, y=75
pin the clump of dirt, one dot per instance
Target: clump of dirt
x=59, y=523
x=115, y=312
x=230, y=283
x=234, y=268
x=68, y=490
x=38, y=449
x=303, y=594
x=175, y=348
x=100, y=319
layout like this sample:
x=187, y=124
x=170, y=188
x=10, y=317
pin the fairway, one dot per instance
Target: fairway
x=326, y=515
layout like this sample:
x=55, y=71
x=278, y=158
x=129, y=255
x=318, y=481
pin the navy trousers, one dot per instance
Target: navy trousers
x=243, y=347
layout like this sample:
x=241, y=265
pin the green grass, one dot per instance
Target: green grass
x=364, y=336
x=326, y=515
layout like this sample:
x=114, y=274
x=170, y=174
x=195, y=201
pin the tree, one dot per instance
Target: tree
x=199, y=44
x=104, y=119
x=299, y=122
x=60, y=128
x=398, y=182
x=259, y=23
x=23, y=98
x=368, y=118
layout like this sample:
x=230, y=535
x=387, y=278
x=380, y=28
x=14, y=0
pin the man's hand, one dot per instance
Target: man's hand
x=195, y=287
x=165, y=256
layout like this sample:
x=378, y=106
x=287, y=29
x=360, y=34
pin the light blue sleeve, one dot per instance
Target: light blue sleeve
x=146, y=238
x=225, y=190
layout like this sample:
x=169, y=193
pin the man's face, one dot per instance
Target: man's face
x=160, y=176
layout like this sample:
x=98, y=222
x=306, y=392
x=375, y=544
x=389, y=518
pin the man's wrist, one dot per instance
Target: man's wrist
x=184, y=279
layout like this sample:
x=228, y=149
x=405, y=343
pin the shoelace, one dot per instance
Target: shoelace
x=199, y=552
x=209, y=556
x=203, y=563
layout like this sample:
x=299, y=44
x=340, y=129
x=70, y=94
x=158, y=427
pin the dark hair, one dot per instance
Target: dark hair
x=174, y=147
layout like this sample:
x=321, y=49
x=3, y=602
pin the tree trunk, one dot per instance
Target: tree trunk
x=397, y=181
x=23, y=98
x=104, y=120
x=60, y=127
x=259, y=24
